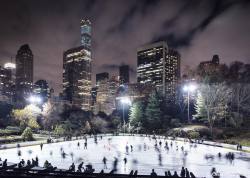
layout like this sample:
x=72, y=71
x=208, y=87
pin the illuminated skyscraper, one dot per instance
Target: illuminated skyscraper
x=5, y=84
x=86, y=33
x=77, y=77
x=159, y=66
x=77, y=70
x=24, y=73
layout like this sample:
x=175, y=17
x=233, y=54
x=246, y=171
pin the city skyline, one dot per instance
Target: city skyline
x=221, y=28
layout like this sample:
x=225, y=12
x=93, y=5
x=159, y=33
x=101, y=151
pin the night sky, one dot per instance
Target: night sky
x=197, y=29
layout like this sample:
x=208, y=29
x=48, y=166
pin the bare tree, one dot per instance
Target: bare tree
x=215, y=99
x=240, y=102
x=241, y=96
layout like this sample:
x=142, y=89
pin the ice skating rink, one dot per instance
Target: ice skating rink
x=143, y=157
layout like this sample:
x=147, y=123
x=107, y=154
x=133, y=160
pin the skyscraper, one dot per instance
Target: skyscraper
x=102, y=90
x=124, y=74
x=77, y=70
x=160, y=67
x=173, y=73
x=24, y=73
x=86, y=33
x=77, y=77
x=5, y=84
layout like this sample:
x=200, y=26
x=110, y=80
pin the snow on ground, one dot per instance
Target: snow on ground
x=143, y=158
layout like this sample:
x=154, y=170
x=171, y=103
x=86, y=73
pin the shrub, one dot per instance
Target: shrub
x=27, y=134
x=193, y=134
x=177, y=132
x=60, y=130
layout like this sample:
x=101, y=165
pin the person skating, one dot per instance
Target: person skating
x=125, y=161
x=85, y=145
x=160, y=160
x=36, y=161
x=145, y=147
x=127, y=149
x=104, y=160
x=41, y=146
x=115, y=164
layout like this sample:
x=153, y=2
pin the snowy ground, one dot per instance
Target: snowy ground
x=141, y=159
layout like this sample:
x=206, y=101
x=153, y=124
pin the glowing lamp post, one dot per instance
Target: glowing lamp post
x=34, y=99
x=125, y=101
x=189, y=88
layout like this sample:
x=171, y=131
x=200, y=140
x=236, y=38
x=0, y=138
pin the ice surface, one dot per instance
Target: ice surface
x=139, y=159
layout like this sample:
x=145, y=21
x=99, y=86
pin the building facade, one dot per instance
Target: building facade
x=77, y=77
x=106, y=94
x=124, y=74
x=5, y=84
x=41, y=88
x=77, y=70
x=86, y=33
x=24, y=73
x=209, y=67
x=173, y=73
x=160, y=67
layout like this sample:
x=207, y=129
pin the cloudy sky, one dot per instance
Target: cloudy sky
x=196, y=28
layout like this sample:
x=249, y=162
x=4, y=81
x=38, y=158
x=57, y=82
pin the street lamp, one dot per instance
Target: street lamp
x=189, y=88
x=34, y=99
x=125, y=101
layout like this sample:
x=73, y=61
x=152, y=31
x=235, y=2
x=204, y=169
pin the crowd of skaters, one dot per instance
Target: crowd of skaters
x=129, y=148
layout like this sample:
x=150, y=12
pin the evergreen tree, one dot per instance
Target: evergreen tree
x=200, y=107
x=136, y=114
x=27, y=134
x=153, y=112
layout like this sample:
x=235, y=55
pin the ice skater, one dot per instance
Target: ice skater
x=160, y=160
x=127, y=148
x=104, y=160
x=125, y=161
x=85, y=145
x=115, y=164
